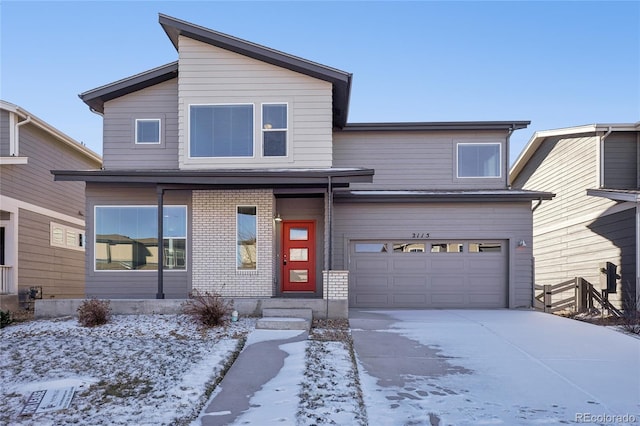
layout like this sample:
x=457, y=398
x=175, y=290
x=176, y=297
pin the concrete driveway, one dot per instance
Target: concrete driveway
x=512, y=367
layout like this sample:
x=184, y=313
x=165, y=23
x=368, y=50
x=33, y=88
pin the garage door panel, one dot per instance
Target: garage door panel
x=430, y=279
x=410, y=300
x=404, y=283
x=410, y=265
x=368, y=264
x=372, y=283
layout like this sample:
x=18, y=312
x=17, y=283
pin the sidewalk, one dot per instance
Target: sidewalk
x=254, y=391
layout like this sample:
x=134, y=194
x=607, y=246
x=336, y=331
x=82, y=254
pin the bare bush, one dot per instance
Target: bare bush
x=94, y=312
x=208, y=309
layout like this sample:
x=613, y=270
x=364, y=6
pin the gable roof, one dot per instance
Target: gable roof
x=173, y=27
x=539, y=137
x=57, y=134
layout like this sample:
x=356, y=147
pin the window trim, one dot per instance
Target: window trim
x=237, y=245
x=500, y=166
x=263, y=130
x=153, y=271
x=253, y=131
x=135, y=130
x=80, y=242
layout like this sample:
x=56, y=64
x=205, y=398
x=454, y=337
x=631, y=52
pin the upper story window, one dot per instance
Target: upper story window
x=479, y=160
x=148, y=131
x=274, y=130
x=221, y=130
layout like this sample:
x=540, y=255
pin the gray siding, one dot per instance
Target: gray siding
x=33, y=182
x=133, y=284
x=210, y=75
x=621, y=160
x=59, y=271
x=413, y=160
x=573, y=232
x=463, y=221
x=4, y=133
x=119, y=148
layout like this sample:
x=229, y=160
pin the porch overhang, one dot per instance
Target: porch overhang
x=632, y=195
x=504, y=195
x=224, y=178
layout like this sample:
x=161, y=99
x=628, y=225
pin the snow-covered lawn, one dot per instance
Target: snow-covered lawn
x=160, y=370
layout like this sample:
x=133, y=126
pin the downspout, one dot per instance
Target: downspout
x=636, y=299
x=14, y=143
x=330, y=238
x=600, y=182
x=160, y=193
x=506, y=163
x=537, y=205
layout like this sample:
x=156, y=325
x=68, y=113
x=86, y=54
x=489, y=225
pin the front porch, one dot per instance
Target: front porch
x=253, y=307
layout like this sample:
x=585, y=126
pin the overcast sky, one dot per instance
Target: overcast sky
x=558, y=64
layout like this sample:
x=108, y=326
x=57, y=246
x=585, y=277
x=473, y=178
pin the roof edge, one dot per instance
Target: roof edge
x=61, y=136
x=538, y=137
x=436, y=126
x=95, y=98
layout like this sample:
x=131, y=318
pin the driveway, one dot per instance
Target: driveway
x=493, y=367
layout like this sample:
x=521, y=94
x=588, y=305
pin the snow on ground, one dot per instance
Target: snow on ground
x=161, y=369
x=507, y=367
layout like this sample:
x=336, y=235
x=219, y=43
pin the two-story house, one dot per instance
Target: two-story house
x=234, y=170
x=42, y=222
x=591, y=229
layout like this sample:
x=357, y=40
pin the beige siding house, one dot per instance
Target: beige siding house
x=42, y=222
x=234, y=170
x=594, y=220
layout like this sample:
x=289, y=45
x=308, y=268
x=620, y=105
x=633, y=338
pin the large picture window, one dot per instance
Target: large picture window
x=479, y=160
x=274, y=130
x=246, y=226
x=126, y=238
x=221, y=131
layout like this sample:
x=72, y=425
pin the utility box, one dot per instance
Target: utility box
x=609, y=277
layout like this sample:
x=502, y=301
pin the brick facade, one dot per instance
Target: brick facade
x=335, y=285
x=214, y=243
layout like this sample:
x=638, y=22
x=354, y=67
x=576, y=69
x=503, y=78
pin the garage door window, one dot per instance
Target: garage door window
x=371, y=248
x=447, y=248
x=408, y=247
x=485, y=247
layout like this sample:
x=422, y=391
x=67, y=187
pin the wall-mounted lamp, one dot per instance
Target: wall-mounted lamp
x=278, y=219
x=522, y=243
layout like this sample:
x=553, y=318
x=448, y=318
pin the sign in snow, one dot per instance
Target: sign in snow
x=46, y=400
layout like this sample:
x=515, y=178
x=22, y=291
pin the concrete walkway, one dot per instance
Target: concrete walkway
x=511, y=367
x=260, y=361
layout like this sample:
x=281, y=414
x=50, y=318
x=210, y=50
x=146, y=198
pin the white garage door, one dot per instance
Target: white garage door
x=429, y=274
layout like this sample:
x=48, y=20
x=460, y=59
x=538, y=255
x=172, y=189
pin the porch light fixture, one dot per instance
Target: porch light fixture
x=522, y=243
x=278, y=219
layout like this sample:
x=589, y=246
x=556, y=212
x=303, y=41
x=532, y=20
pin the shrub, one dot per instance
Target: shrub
x=208, y=309
x=94, y=312
x=5, y=318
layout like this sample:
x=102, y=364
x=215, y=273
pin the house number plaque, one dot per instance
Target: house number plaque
x=420, y=235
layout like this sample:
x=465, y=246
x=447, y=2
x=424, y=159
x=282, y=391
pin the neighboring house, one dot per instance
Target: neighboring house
x=42, y=222
x=265, y=191
x=595, y=217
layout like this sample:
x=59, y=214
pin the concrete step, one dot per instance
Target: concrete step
x=305, y=313
x=283, y=323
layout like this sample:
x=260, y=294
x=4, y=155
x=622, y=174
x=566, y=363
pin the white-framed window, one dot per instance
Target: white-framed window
x=66, y=237
x=126, y=238
x=274, y=130
x=147, y=131
x=221, y=130
x=246, y=238
x=479, y=160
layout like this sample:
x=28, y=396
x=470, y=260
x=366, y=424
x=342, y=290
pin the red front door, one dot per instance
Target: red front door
x=298, y=255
